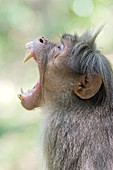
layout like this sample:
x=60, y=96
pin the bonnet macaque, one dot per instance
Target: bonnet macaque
x=75, y=90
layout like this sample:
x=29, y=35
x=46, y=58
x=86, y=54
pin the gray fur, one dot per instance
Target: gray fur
x=79, y=133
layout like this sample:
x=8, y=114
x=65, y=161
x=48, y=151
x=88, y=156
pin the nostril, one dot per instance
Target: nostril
x=41, y=40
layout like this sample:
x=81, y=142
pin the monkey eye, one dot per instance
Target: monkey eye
x=60, y=47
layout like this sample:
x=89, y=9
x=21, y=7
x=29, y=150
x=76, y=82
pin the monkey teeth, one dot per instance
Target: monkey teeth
x=29, y=53
x=28, y=56
x=22, y=91
x=23, y=95
x=28, y=98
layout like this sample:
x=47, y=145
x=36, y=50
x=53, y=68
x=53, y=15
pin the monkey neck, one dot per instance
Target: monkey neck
x=69, y=102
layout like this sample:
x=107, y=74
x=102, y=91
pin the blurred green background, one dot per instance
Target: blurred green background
x=22, y=21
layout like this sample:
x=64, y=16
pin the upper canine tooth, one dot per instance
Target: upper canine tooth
x=27, y=52
x=28, y=56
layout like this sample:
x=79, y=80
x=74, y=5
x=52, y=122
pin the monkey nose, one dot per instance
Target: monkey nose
x=42, y=40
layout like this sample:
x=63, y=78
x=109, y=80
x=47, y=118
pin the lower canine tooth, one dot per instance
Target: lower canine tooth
x=21, y=97
x=22, y=91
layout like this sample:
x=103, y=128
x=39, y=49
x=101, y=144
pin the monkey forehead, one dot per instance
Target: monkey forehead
x=69, y=37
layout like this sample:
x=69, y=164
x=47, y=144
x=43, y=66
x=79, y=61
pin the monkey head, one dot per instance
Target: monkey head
x=73, y=66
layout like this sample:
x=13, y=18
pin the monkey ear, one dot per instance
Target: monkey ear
x=87, y=86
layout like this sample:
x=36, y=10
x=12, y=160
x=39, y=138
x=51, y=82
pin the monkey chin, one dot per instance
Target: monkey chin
x=31, y=98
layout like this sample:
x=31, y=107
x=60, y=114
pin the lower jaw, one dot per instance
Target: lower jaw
x=32, y=100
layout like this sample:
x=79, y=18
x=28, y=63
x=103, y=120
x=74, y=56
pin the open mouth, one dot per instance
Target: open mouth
x=30, y=99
